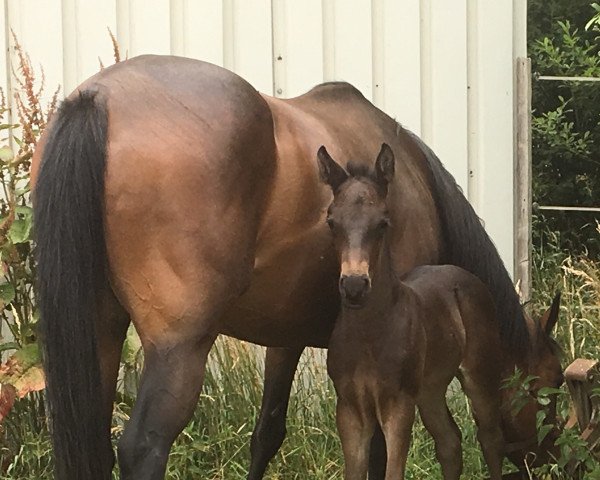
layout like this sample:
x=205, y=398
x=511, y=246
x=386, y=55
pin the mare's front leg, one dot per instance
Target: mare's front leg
x=269, y=432
x=356, y=430
x=397, y=420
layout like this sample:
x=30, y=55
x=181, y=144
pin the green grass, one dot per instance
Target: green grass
x=215, y=445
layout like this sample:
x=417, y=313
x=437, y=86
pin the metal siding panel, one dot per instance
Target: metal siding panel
x=402, y=60
x=423, y=53
x=519, y=28
x=203, y=36
x=252, y=47
x=425, y=45
x=353, y=44
x=474, y=139
x=328, y=31
x=149, y=28
x=69, y=36
x=377, y=52
x=279, y=57
x=4, y=71
x=228, y=34
x=449, y=86
x=93, y=40
x=123, y=33
x=303, y=46
x=495, y=123
x=177, y=11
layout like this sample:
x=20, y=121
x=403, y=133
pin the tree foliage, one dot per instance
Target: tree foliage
x=564, y=41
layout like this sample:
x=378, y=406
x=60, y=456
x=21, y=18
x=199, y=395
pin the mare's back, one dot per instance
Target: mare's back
x=348, y=116
x=353, y=129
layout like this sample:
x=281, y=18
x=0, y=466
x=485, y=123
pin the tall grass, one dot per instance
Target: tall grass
x=578, y=329
x=215, y=444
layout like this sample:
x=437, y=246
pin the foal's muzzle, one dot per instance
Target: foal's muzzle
x=354, y=290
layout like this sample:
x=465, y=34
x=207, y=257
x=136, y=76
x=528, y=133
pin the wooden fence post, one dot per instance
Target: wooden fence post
x=522, y=179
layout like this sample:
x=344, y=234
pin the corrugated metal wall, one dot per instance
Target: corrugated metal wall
x=444, y=68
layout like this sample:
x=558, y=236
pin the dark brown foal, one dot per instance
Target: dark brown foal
x=398, y=343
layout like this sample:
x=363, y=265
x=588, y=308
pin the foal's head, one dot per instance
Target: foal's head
x=358, y=218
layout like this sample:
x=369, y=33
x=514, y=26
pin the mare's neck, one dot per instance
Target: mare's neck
x=513, y=358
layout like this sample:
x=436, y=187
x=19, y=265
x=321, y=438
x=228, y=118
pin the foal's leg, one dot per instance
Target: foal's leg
x=447, y=437
x=269, y=432
x=355, y=431
x=397, y=421
x=483, y=389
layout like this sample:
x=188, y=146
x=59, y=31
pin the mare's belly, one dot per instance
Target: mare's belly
x=293, y=297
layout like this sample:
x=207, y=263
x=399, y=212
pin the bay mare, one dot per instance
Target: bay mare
x=169, y=193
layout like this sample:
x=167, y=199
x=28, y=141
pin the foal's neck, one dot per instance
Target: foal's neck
x=386, y=289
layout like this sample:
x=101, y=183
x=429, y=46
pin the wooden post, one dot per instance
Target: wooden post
x=522, y=179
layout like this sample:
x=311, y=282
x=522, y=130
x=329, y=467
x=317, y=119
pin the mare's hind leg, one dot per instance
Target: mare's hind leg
x=177, y=324
x=356, y=431
x=169, y=389
x=111, y=332
x=483, y=389
x=447, y=437
x=268, y=435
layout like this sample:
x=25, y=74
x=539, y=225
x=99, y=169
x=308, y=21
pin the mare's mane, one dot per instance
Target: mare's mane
x=467, y=245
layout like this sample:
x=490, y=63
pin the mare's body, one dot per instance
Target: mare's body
x=173, y=195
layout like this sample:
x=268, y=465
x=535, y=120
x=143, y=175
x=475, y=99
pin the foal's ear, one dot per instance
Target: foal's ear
x=385, y=165
x=330, y=171
x=550, y=316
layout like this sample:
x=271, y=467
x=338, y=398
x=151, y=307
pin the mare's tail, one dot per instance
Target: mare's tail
x=71, y=265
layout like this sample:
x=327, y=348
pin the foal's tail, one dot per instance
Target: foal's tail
x=71, y=266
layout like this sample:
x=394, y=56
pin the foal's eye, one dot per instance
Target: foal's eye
x=330, y=223
x=383, y=224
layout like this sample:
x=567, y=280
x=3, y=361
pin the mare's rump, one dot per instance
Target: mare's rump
x=172, y=161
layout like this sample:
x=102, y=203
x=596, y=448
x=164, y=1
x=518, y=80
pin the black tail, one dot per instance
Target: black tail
x=71, y=263
x=467, y=245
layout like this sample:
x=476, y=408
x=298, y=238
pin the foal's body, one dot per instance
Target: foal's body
x=399, y=342
x=403, y=351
